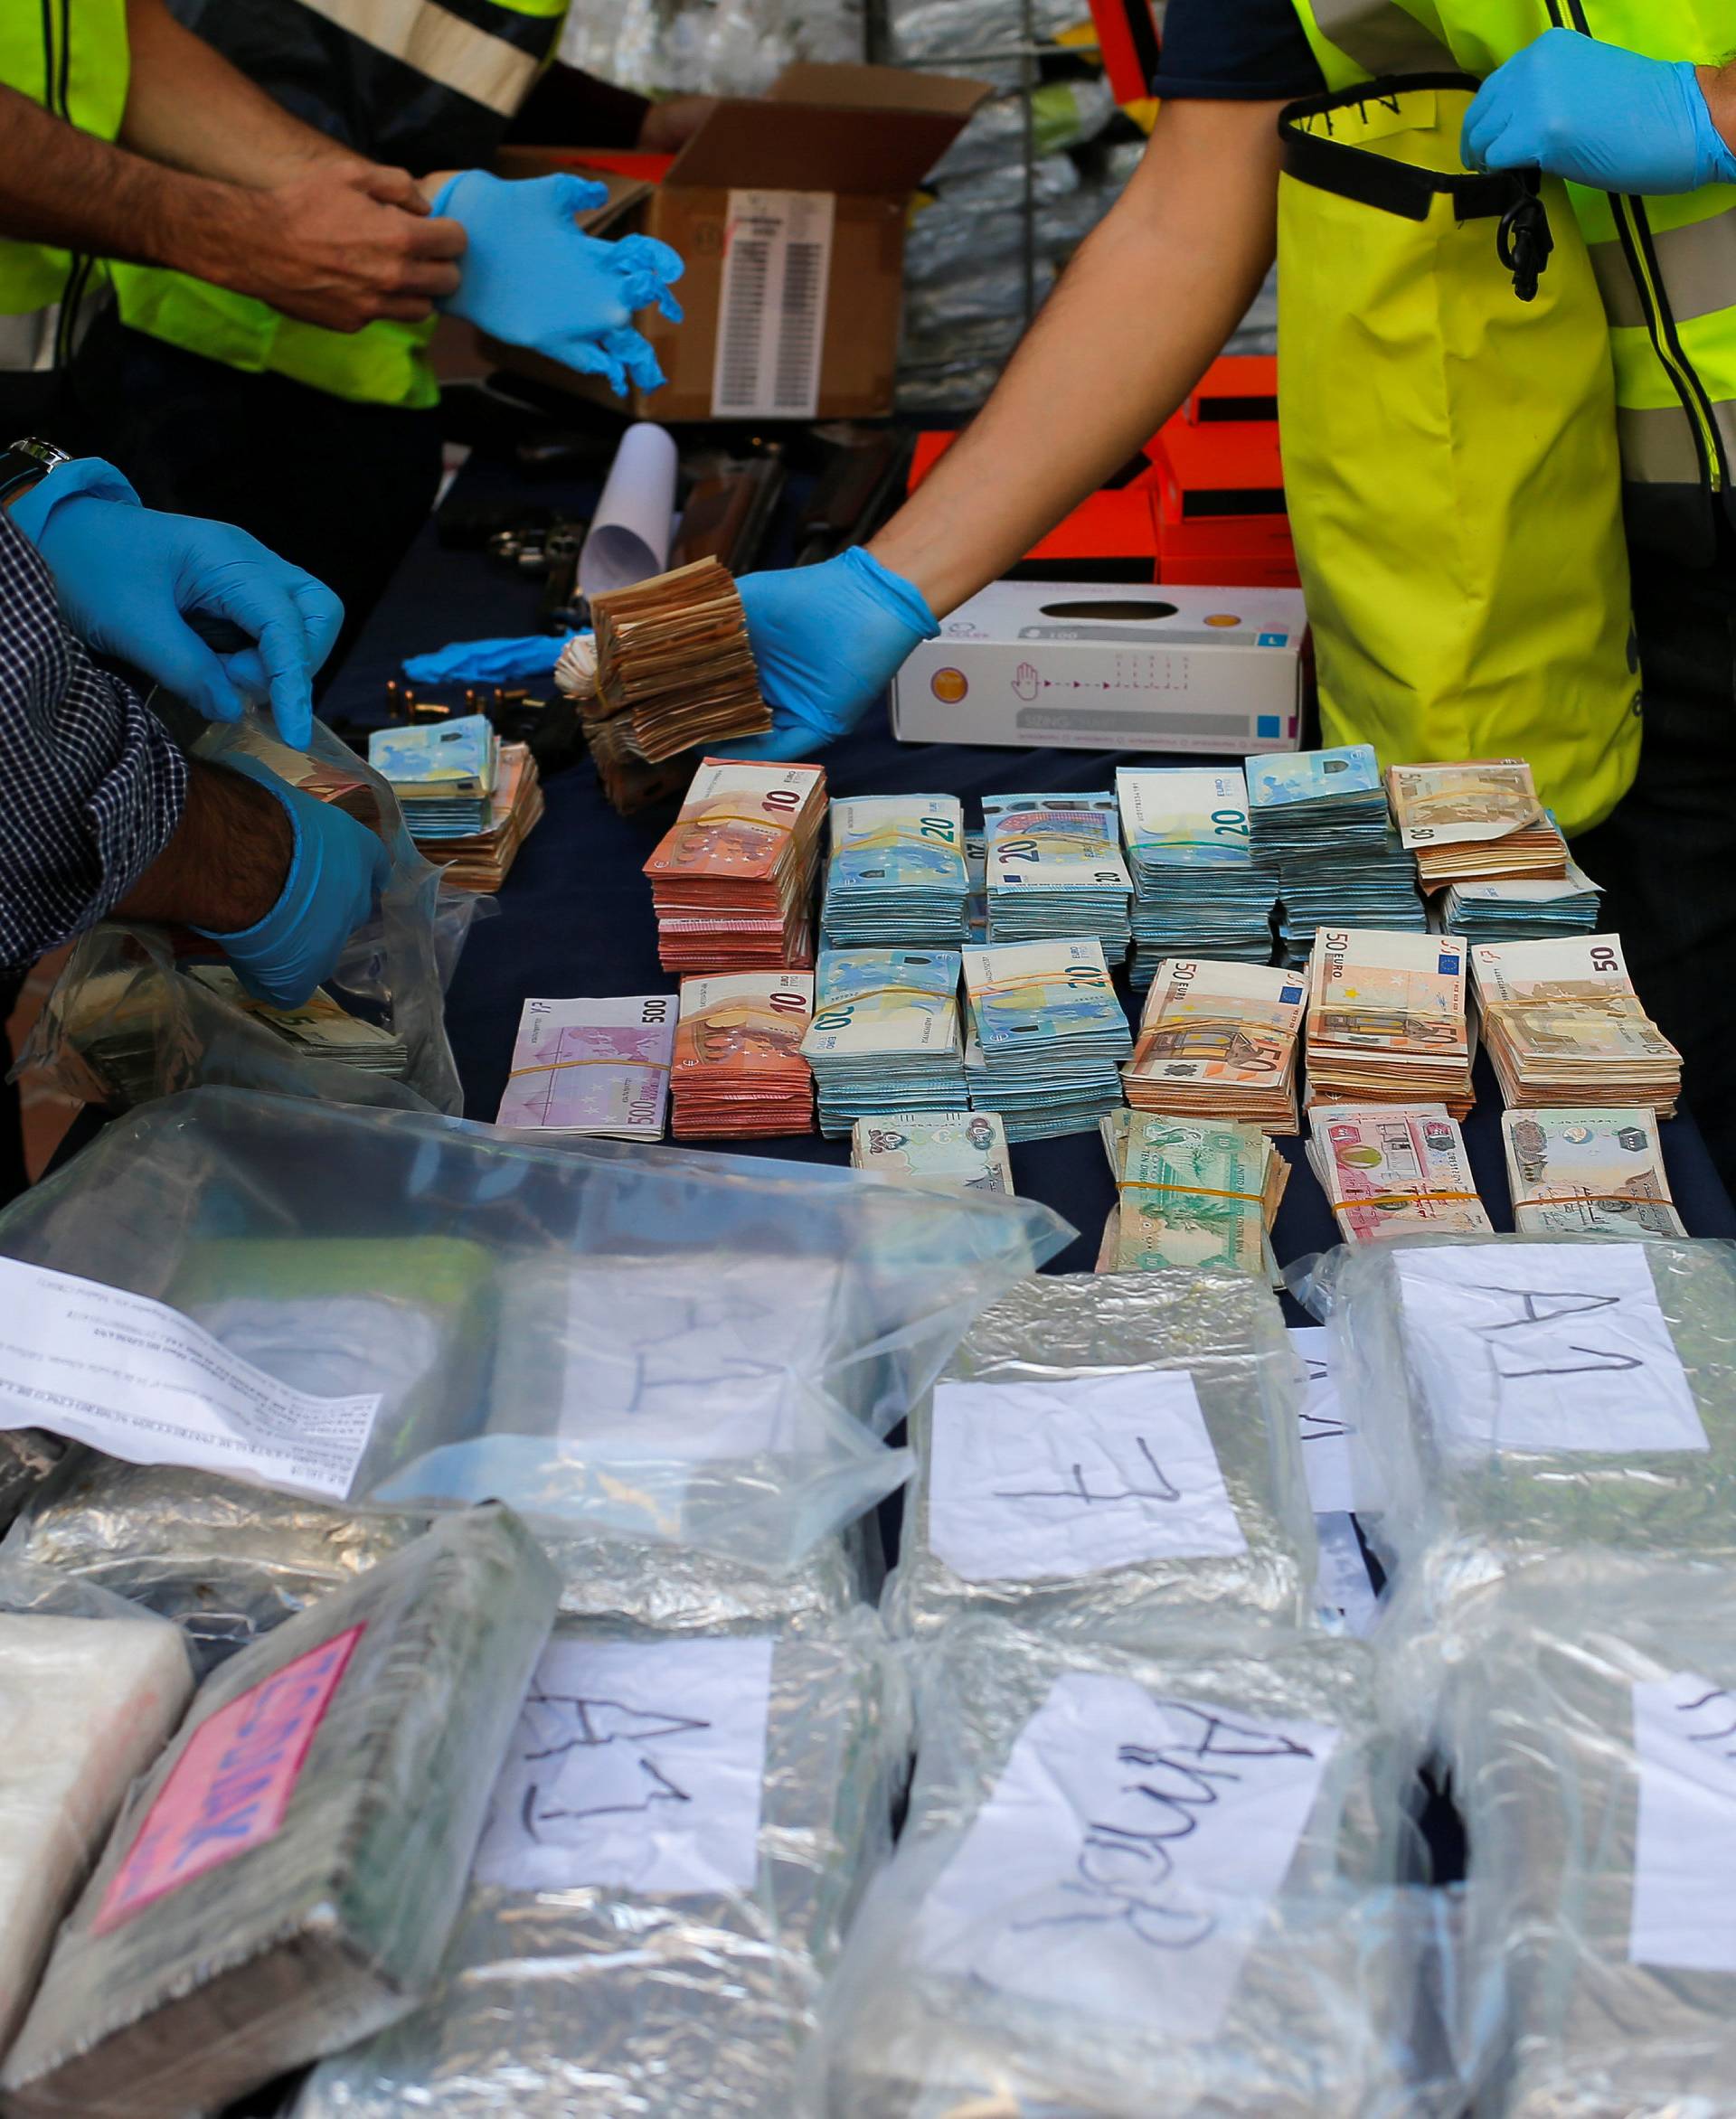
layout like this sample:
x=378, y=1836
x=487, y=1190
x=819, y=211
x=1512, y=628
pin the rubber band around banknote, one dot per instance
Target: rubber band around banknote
x=1197, y=1192
x=611, y=1060
x=728, y=817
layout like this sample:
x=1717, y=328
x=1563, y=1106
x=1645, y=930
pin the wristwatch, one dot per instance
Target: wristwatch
x=24, y=463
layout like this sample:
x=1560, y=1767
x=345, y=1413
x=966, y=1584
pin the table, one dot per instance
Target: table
x=575, y=913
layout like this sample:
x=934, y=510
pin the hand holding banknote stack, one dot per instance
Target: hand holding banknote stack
x=732, y=879
x=586, y=1067
x=1588, y=1172
x=1564, y=1026
x=1386, y=1020
x=1054, y=866
x=1476, y=819
x=673, y=663
x=1218, y=1041
x=739, y=1072
x=897, y=877
x=1194, y=1193
x=1394, y=1169
x=963, y=1149
x=885, y=1033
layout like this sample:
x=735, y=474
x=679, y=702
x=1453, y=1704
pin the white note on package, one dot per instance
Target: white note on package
x=138, y=1381
x=1685, y=1857
x=1545, y=1347
x=635, y=1764
x=771, y=307
x=1326, y=1432
x=1029, y=1480
x=1127, y=1856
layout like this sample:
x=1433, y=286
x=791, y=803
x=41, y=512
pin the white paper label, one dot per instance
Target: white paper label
x=1545, y=1347
x=138, y=1381
x=1325, y=1433
x=637, y=1765
x=1126, y=1857
x=1030, y=1480
x=1684, y=1860
x=771, y=308
x=1344, y=1586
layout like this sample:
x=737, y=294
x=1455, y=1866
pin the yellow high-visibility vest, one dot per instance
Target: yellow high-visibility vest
x=71, y=57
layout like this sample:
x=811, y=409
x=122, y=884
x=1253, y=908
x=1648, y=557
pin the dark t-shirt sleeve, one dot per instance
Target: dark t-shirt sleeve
x=1236, y=51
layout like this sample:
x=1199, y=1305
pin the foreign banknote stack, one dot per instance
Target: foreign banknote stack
x=1197, y=890
x=1218, y=1041
x=483, y=860
x=443, y=773
x=1532, y=910
x=320, y=1028
x=739, y=1072
x=1395, y=1167
x=1192, y=1193
x=732, y=879
x=885, y=1034
x=896, y=874
x=1586, y=1172
x=599, y=1066
x=674, y=662
x=1050, y=1032
x=963, y=1149
x=1386, y=1020
x=1054, y=866
x=1476, y=820
x=1564, y=1026
x=1321, y=826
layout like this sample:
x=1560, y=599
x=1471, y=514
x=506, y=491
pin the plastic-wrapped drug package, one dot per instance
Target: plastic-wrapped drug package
x=1593, y=1743
x=87, y=1703
x=1512, y=1398
x=1110, y=1452
x=665, y=1589
x=285, y=1878
x=1132, y=1884
x=677, y=1838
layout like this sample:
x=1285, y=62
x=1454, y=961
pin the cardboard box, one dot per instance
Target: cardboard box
x=790, y=212
x=1103, y=666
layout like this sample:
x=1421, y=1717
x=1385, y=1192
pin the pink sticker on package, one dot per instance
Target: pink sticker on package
x=229, y=1789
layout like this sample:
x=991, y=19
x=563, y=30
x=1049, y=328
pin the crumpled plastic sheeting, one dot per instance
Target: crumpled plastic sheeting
x=708, y=47
x=1539, y=1728
x=966, y=36
x=597, y=2001
x=1064, y=114
x=1228, y=1337
x=1325, y=2014
x=946, y=240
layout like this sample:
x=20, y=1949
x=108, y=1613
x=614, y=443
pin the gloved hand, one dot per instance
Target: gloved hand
x=1601, y=116
x=337, y=870
x=133, y=583
x=829, y=640
x=532, y=277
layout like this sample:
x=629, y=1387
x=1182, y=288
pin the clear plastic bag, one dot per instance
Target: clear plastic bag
x=1232, y=1529
x=1132, y=1884
x=629, y=1341
x=1590, y=1741
x=570, y=1994
x=285, y=1878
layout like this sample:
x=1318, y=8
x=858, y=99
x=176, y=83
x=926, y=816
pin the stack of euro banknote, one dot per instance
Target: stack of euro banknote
x=592, y=1066
x=1476, y=820
x=885, y=1034
x=1051, y=1034
x=1527, y=908
x=962, y=1149
x=1218, y=1041
x=1387, y=1022
x=739, y=1072
x=1198, y=891
x=1191, y=1192
x=897, y=876
x=1053, y=867
x=1588, y=1172
x=1564, y=1026
x=1321, y=826
x=732, y=879
x=1387, y=1168
x=443, y=773
x=481, y=861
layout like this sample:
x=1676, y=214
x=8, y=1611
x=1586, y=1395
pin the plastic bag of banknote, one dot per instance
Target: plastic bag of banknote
x=384, y=1309
x=1513, y=1397
x=144, y=1012
x=1592, y=1739
x=1133, y=1882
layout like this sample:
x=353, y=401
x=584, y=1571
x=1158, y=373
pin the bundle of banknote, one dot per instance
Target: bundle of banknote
x=1565, y=1027
x=1050, y=1032
x=885, y=1034
x=1478, y=818
x=1524, y=910
x=597, y=1066
x=897, y=874
x=673, y=660
x=318, y=1030
x=443, y=773
x=1386, y=1020
x=967, y=1149
x=1588, y=1172
x=1197, y=888
x=629, y=785
x=1320, y=823
x=976, y=887
x=482, y=860
x=1388, y=1168
x=1054, y=868
x=739, y=1072
x=1218, y=1041
x=732, y=879
x=1193, y=1193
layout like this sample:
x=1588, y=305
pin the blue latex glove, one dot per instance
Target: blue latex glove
x=339, y=869
x=829, y=640
x=135, y=584
x=532, y=277
x=1598, y=115
x=488, y=662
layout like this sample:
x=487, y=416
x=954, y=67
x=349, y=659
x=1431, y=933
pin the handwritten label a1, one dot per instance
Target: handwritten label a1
x=1031, y=1481
x=636, y=1765
x=1684, y=1862
x=1326, y=1432
x=1127, y=1858
x=1545, y=1347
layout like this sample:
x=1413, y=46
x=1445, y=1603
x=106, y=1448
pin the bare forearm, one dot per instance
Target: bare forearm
x=188, y=108
x=1139, y=315
x=224, y=868
x=1718, y=85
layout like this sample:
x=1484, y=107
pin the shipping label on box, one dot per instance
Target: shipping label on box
x=771, y=311
x=1101, y=666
